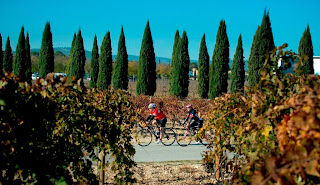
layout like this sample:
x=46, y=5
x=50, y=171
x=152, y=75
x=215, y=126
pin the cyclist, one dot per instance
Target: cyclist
x=160, y=120
x=195, y=120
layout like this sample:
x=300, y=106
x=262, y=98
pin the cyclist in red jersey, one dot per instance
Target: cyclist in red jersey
x=160, y=120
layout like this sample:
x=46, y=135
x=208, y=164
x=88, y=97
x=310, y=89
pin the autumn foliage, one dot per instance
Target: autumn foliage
x=274, y=127
x=49, y=132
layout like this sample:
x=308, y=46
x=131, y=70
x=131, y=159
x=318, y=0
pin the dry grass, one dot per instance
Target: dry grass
x=182, y=172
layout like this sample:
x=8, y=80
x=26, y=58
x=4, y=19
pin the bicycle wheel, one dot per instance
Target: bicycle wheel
x=143, y=137
x=183, y=138
x=169, y=137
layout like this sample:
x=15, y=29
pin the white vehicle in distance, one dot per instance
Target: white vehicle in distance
x=34, y=76
x=59, y=74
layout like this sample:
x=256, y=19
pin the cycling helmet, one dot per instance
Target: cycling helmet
x=151, y=105
x=189, y=105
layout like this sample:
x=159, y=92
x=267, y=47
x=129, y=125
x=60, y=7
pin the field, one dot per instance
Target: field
x=177, y=172
x=163, y=88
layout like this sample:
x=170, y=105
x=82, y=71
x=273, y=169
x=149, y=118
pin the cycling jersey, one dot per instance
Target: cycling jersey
x=193, y=115
x=156, y=113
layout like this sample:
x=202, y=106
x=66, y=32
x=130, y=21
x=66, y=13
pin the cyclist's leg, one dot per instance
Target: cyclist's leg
x=155, y=124
x=162, y=125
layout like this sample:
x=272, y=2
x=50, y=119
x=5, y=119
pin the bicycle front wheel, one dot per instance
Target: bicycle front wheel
x=143, y=137
x=169, y=137
x=183, y=137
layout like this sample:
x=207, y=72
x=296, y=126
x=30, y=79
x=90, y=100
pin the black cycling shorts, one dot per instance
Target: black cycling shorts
x=194, y=124
x=198, y=124
x=162, y=123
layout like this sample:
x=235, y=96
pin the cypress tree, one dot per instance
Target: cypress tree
x=203, y=61
x=146, y=83
x=46, y=58
x=20, y=57
x=184, y=54
x=262, y=44
x=120, y=77
x=71, y=52
x=105, y=63
x=72, y=46
x=94, y=64
x=305, y=50
x=180, y=70
x=78, y=59
x=174, y=51
x=1, y=55
x=237, y=69
x=253, y=77
x=8, y=57
x=220, y=63
x=28, y=72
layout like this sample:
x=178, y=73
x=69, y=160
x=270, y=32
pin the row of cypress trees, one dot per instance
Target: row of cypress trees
x=101, y=65
x=21, y=66
x=213, y=80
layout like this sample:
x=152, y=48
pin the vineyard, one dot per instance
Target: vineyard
x=273, y=128
x=50, y=130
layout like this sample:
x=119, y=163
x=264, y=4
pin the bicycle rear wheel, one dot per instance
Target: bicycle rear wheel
x=143, y=137
x=183, y=138
x=169, y=137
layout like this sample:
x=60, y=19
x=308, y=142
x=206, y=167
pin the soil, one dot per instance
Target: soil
x=178, y=172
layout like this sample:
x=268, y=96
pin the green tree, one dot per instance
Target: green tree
x=237, y=69
x=78, y=60
x=133, y=68
x=28, y=72
x=94, y=63
x=305, y=50
x=1, y=55
x=46, y=60
x=59, y=54
x=146, y=83
x=120, y=77
x=253, y=77
x=261, y=46
x=20, y=57
x=180, y=71
x=174, y=53
x=8, y=57
x=203, y=61
x=60, y=62
x=220, y=63
x=34, y=61
x=105, y=63
x=71, y=52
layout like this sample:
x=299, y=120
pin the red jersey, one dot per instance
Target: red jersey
x=158, y=114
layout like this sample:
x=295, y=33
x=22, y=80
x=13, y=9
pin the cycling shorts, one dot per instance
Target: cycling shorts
x=162, y=123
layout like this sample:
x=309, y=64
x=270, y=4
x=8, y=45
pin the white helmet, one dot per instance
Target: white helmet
x=151, y=105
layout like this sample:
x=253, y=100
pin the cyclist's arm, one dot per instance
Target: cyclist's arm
x=150, y=117
x=186, y=119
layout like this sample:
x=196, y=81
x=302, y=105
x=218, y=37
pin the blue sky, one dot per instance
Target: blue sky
x=289, y=19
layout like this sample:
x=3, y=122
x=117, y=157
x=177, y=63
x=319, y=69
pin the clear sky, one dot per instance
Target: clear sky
x=289, y=19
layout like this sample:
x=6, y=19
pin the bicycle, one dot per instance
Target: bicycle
x=185, y=137
x=144, y=135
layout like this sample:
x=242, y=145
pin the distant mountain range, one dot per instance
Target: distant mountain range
x=66, y=51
